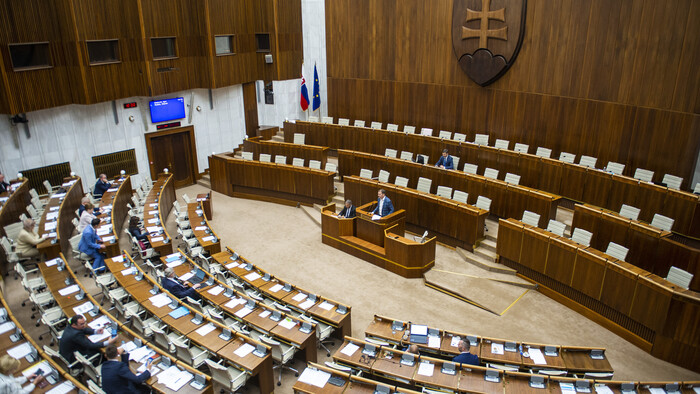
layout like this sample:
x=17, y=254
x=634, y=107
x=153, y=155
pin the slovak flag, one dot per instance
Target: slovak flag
x=304, y=101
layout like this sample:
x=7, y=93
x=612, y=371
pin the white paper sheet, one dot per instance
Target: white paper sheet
x=306, y=304
x=265, y=314
x=208, y=238
x=419, y=329
x=69, y=290
x=235, y=301
x=96, y=338
x=349, y=349
x=216, y=290
x=252, y=276
x=118, y=259
x=43, y=365
x=6, y=326
x=63, y=388
x=20, y=351
x=154, y=220
x=454, y=342
x=160, y=300
x=497, y=348
x=434, y=342
x=537, y=356
x=153, y=212
x=657, y=390
x=276, y=288
x=129, y=271
x=288, y=323
x=244, y=350
x=139, y=355
x=49, y=226
x=231, y=265
x=376, y=217
x=83, y=308
x=325, y=305
x=314, y=377
x=100, y=322
x=205, y=329
x=129, y=346
x=299, y=297
x=602, y=389
x=174, y=264
x=157, y=239
x=243, y=312
x=426, y=369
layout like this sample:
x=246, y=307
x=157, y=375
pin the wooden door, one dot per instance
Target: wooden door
x=175, y=150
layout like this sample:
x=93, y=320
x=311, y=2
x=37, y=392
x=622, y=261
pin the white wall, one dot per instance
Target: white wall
x=75, y=133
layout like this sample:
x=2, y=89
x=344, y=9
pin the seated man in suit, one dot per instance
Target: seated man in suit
x=348, y=211
x=90, y=244
x=465, y=357
x=101, y=186
x=384, y=205
x=4, y=186
x=445, y=161
x=117, y=378
x=179, y=290
x=75, y=339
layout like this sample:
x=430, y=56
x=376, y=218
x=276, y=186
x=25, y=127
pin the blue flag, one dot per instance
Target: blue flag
x=317, y=92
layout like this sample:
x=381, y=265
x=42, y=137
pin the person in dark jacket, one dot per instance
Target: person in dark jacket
x=173, y=285
x=75, y=339
x=117, y=378
x=464, y=357
x=101, y=186
x=348, y=211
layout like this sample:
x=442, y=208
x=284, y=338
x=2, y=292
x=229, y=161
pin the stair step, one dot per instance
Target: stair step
x=488, y=244
x=313, y=214
x=485, y=253
x=277, y=138
x=485, y=263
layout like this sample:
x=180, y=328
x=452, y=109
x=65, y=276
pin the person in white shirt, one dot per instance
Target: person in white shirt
x=86, y=217
x=13, y=385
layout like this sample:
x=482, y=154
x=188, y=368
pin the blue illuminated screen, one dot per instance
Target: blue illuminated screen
x=170, y=109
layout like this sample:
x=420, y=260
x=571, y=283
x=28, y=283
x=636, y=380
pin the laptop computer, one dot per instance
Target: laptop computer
x=198, y=277
x=419, y=334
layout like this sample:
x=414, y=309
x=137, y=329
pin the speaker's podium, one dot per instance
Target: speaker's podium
x=380, y=242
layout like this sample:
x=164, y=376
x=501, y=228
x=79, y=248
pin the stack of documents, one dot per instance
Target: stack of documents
x=83, y=308
x=160, y=300
x=21, y=351
x=314, y=377
x=173, y=378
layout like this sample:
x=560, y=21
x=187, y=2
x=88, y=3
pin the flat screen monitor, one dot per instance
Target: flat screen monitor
x=169, y=109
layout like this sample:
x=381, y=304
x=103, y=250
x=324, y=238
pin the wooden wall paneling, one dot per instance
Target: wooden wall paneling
x=687, y=80
x=676, y=205
x=618, y=287
x=538, y=246
x=35, y=21
x=289, y=39
x=682, y=256
x=510, y=239
x=678, y=340
x=106, y=21
x=588, y=273
x=650, y=304
x=237, y=18
x=250, y=108
x=561, y=259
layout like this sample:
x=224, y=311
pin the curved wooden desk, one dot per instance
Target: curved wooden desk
x=273, y=182
x=114, y=205
x=11, y=207
x=453, y=223
x=257, y=145
x=643, y=308
x=359, y=237
x=575, y=182
x=156, y=209
x=57, y=218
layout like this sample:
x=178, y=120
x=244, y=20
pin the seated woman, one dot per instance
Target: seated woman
x=28, y=240
x=135, y=230
x=86, y=217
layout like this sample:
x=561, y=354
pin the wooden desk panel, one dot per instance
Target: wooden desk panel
x=15, y=205
x=257, y=145
x=510, y=236
x=549, y=175
x=270, y=181
x=160, y=201
x=64, y=226
x=633, y=303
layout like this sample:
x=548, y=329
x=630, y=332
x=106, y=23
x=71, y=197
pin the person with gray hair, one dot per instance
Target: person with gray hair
x=28, y=240
x=180, y=290
x=348, y=211
x=101, y=186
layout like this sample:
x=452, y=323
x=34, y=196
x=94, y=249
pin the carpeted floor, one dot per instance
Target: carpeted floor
x=286, y=241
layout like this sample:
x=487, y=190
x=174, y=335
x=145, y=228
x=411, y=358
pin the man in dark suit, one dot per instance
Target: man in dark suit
x=101, y=186
x=91, y=244
x=384, y=205
x=4, y=186
x=465, y=357
x=445, y=161
x=348, y=211
x=117, y=378
x=173, y=285
x=74, y=339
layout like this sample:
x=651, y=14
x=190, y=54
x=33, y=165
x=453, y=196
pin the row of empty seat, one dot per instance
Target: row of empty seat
x=671, y=181
x=424, y=185
x=280, y=159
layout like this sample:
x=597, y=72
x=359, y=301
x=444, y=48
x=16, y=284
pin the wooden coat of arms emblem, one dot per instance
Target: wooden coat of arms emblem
x=487, y=36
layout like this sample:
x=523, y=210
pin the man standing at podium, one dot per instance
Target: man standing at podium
x=445, y=161
x=348, y=211
x=384, y=205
